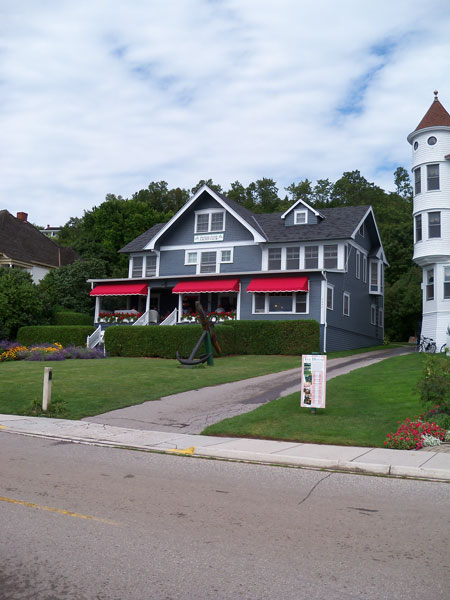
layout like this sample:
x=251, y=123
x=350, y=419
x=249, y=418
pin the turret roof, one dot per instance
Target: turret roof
x=435, y=116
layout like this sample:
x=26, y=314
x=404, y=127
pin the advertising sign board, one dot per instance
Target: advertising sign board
x=314, y=380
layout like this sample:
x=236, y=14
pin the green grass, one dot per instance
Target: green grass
x=362, y=407
x=91, y=387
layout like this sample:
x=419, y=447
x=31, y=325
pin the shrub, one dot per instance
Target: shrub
x=71, y=318
x=67, y=335
x=234, y=337
x=434, y=384
x=57, y=409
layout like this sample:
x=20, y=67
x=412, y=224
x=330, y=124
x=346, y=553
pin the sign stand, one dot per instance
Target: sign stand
x=313, y=381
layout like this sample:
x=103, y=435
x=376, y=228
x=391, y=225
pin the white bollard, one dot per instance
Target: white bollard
x=47, y=391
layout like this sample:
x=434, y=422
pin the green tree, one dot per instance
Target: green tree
x=67, y=286
x=20, y=302
x=209, y=182
x=403, y=305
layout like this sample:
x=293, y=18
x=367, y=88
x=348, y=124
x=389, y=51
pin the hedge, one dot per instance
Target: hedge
x=72, y=318
x=238, y=337
x=67, y=335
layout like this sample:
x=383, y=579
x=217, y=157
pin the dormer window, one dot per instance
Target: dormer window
x=300, y=217
x=209, y=221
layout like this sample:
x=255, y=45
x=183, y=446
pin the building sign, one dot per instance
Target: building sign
x=209, y=237
x=314, y=379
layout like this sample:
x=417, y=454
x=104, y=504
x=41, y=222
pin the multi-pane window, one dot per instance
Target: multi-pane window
x=191, y=258
x=280, y=302
x=300, y=217
x=330, y=252
x=434, y=224
x=210, y=221
x=293, y=258
x=346, y=304
x=373, y=314
x=417, y=181
x=330, y=297
x=429, y=292
x=150, y=265
x=374, y=279
x=225, y=256
x=418, y=222
x=358, y=265
x=311, y=257
x=274, y=259
x=432, y=177
x=208, y=262
x=447, y=282
x=137, y=266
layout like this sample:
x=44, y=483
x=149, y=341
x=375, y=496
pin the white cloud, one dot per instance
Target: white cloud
x=99, y=97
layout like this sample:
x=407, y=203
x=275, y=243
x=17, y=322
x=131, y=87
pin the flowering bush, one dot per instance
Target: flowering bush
x=431, y=440
x=107, y=317
x=219, y=316
x=410, y=435
x=15, y=351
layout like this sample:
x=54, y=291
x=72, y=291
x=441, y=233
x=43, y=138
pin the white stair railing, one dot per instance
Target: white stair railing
x=95, y=339
x=143, y=319
x=171, y=319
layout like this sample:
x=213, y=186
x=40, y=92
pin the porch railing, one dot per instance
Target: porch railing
x=95, y=339
x=143, y=319
x=171, y=319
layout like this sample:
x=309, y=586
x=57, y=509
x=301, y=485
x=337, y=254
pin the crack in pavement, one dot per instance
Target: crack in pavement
x=314, y=487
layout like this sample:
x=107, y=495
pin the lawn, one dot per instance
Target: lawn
x=91, y=387
x=362, y=407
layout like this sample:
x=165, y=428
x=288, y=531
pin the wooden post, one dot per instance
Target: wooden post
x=47, y=391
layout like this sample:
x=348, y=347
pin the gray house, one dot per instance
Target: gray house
x=302, y=264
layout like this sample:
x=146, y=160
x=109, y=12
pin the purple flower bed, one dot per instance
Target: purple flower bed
x=48, y=352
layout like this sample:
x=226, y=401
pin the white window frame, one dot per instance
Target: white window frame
x=283, y=260
x=430, y=179
x=375, y=264
x=337, y=255
x=344, y=296
x=364, y=269
x=132, y=267
x=445, y=280
x=330, y=288
x=435, y=237
x=358, y=264
x=302, y=213
x=380, y=317
x=417, y=181
x=418, y=219
x=198, y=261
x=266, y=305
x=209, y=212
x=146, y=257
x=429, y=284
x=362, y=230
x=319, y=253
x=373, y=314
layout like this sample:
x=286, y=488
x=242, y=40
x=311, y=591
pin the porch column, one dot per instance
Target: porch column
x=180, y=307
x=97, y=309
x=147, y=305
x=238, y=304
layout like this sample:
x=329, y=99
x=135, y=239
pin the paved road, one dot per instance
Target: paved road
x=158, y=527
x=191, y=412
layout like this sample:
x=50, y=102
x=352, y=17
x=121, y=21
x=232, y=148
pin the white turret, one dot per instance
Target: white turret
x=431, y=211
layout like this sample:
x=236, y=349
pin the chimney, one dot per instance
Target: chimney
x=22, y=216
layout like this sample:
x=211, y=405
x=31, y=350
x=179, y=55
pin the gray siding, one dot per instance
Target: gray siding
x=183, y=231
x=245, y=258
x=314, y=303
x=312, y=219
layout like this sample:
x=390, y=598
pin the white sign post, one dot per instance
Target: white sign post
x=47, y=389
x=314, y=380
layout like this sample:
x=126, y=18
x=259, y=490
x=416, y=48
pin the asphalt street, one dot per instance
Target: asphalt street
x=83, y=522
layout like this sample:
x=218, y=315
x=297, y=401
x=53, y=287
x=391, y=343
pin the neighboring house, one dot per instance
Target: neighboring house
x=50, y=232
x=22, y=246
x=431, y=169
x=325, y=265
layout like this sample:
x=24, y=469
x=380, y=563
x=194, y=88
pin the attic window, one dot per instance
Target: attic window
x=300, y=217
x=362, y=230
x=432, y=140
x=207, y=221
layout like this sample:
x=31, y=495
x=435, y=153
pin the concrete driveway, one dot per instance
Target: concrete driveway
x=191, y=412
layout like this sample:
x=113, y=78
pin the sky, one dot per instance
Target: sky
x=105, y=96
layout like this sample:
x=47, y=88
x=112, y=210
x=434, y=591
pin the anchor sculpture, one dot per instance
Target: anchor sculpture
x=208, y=336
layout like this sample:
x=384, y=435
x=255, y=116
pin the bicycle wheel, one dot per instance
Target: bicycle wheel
x=443, y=349
x=432, y=347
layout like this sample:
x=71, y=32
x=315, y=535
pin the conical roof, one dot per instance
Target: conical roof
x=435, y=116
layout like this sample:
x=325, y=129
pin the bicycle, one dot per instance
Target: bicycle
x=426, y=345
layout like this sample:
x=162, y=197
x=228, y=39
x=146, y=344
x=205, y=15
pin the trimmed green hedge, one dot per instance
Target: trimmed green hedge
x=239, y=337
x=67, y=335
x=72, y=318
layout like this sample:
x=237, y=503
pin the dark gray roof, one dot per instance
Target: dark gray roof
x=142, y=240
x=339, y=223
x=21, y=241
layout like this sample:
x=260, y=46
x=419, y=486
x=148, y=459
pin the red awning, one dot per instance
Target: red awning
x=278, y=284
x=120, y=289
x=206, y=285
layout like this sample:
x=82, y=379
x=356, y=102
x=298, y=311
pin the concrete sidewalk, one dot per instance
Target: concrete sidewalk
x=426, y=464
